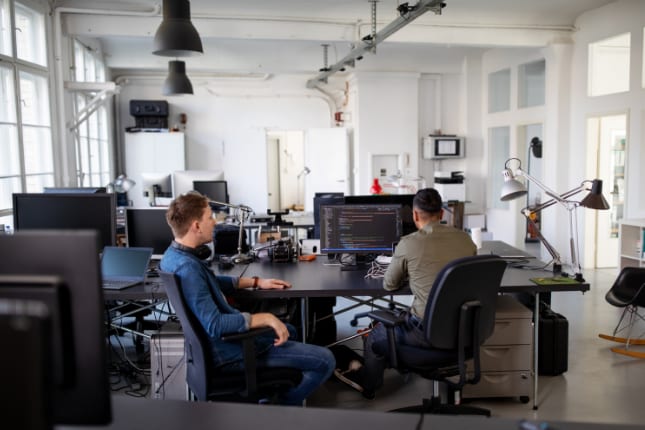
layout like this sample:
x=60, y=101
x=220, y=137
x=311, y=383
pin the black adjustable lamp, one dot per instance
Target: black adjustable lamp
x=177, y=36
x=177, y=82
x=512, y=189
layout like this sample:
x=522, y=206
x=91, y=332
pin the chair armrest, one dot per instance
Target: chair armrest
x=229, y=337
x=388, y=318
x=248, y=346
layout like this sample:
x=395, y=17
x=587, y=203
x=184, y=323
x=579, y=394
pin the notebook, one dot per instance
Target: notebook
x=124, y=267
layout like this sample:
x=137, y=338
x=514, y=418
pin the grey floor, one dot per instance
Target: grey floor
x=599, y=386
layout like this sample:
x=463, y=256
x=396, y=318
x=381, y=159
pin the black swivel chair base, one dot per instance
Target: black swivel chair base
x=434, y=406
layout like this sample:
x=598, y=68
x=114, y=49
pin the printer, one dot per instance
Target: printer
x=451, y=186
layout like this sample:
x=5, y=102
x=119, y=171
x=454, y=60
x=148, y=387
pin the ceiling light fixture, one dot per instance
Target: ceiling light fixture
x=177, y=82
x=177, y=36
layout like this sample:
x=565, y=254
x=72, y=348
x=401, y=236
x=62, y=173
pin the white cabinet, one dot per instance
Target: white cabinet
x=151, y=158
x=632, y=243
x=506, y=365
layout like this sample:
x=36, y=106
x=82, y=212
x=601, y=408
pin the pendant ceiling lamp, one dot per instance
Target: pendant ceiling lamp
x=176, y=36
x=177, y=82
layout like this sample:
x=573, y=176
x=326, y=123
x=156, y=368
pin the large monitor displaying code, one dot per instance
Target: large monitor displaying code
x=359, y=229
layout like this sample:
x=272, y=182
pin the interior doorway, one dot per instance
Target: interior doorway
x=285, y=166
x=607, y=146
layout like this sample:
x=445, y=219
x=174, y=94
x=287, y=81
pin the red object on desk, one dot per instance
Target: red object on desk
x=376, y=187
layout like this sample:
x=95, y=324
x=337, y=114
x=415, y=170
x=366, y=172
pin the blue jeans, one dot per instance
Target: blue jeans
x=316, y=362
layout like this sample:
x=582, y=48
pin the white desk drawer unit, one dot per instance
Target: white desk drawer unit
x=506, y=356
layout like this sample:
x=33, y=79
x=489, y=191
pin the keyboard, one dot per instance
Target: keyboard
x=118, y=285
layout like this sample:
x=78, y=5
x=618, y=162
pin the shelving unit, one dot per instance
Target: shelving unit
x=632, y=243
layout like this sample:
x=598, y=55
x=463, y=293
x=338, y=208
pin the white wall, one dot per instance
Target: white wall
x=227, y=124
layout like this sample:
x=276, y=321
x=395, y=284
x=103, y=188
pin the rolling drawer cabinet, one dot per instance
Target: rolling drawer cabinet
x=506, y=357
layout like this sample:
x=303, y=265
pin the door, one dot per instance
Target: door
x=607, y=134
x=327, y=157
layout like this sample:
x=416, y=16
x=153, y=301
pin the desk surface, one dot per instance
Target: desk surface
x=135, y=414
x=318, y=279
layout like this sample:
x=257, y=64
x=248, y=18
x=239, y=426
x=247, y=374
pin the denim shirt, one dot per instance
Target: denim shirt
x=204, y=293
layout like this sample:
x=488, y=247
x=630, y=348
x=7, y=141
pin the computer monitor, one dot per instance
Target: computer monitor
x=214, y=190
x=405, y=200
x=67, y=211
x=359, y=229
x=60, y=269
x=147, y=228
x=156, y=185
x=324, y=199
x=183, y=180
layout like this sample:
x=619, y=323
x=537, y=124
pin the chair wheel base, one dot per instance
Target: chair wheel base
x=434, y=406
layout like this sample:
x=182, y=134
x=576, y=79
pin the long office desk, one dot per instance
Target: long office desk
x=318, y=278
x=135, y=414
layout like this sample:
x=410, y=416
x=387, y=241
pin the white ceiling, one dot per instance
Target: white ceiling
x=285, y=35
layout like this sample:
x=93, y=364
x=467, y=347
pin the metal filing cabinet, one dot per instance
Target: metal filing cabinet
x=506, y=365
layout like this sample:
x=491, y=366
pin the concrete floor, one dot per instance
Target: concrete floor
x=599, y=386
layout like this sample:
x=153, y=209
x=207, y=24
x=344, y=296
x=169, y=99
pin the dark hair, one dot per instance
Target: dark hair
x=427, y=200
x=184, y=210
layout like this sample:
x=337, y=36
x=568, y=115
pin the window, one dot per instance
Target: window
x=92, y=138
x=609, y=65
x=531, y=84
x=499, y=91
x=27, y=161
x=499, y=143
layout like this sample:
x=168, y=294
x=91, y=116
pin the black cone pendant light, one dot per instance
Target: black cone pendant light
x=176, y=36
x=177, y=82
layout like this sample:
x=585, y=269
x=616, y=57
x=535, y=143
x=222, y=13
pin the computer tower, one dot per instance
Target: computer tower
x=167, y=365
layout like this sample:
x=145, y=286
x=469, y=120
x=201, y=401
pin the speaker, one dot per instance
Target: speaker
x=158, y=108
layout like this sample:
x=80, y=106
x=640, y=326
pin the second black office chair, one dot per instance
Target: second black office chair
x=459, y=317
x=628, y=292
x=204, y=381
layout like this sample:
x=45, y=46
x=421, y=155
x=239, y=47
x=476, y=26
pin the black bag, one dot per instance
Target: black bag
x=553, y=343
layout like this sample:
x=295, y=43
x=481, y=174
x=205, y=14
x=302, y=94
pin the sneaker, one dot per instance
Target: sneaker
x=352, y=378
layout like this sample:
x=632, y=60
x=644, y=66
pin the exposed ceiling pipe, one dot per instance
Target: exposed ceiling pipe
x=368, y=43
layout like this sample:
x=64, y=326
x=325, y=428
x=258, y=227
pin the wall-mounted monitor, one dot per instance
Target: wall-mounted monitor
x=59, y=270
x=147, y=228
x=436, y=147
x=359, y=229
x=183, y=180
x=67, y=211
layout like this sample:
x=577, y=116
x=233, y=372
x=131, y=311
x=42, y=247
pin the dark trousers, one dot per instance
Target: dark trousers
x=410, y=333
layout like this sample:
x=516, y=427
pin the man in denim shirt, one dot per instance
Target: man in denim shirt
x=192, y=223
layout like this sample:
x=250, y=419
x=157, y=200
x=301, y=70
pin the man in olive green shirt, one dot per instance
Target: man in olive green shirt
x=418, y=257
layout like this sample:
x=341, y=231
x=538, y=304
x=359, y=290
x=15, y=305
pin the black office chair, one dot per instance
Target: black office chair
x=204, y=381
x=628, y=292
x=459, y=317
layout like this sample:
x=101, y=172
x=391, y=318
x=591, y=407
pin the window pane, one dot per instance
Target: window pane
x=36, y=183
x=499, y=91
x=8, y=186
x=34, y=99
x=531, y=84
x=499, y=139
x=7, y=96
x=79, y=63
x=30, y=35
x=10, y=159
x=38, y=150
x=5, y=29
x=609, y=65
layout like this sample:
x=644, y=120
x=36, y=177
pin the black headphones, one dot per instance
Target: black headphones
x=202, y=252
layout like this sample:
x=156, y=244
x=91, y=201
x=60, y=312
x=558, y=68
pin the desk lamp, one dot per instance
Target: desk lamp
x=121, y=185
x=512, y=189
x=242, y=213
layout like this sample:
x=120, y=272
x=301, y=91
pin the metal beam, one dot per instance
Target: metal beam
x=407, y=15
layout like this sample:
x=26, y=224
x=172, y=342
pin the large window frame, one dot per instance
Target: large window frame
x=25, y=111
